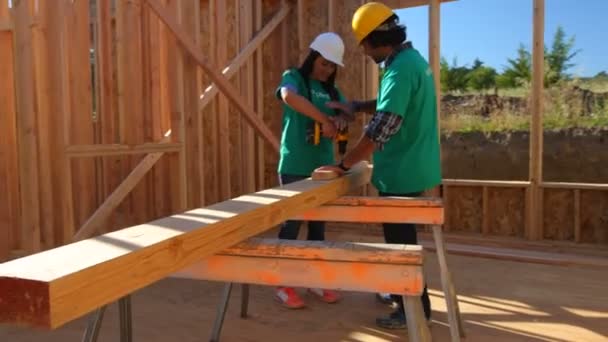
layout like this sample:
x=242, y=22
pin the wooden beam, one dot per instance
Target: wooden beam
x=231, y=69
x=520, y=255
x=417, y=3
x=102, y=150
x=377, y=210
x=328, y=251
x=315, y=264
x=488, y=183
x=222, y=83
x=54, y=287
x=535, y=225
x=579, y=186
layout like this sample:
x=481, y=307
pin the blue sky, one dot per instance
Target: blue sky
x=493, y=29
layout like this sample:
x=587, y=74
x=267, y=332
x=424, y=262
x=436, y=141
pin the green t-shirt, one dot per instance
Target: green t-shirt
x=297, y=156
x=410, y=160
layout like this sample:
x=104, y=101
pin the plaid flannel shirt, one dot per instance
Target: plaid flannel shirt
x=385, y=124
x=382, y=127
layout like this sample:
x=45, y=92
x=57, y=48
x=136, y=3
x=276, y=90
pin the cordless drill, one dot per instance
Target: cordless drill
x=315, y=131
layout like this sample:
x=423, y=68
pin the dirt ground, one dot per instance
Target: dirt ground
x=500, y=301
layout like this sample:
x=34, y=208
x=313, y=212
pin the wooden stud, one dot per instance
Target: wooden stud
x=80, y=98
x=58, y=225
x=9, y=171
x=434, y=51
x=190, y=21
x=63, y=130
x=234, y=32
x=6, y=23
x=259, y=92
x=446, y=203
x=221, y=81
x=175, y=70
x=247, y=84
x=224, y=129
x=43, y=94
x=147, y=101
x=212, y=120
x=160, y=114
x=27, y=128
x=485, y=214
x=331, y=15
x=199, y=134
x=536, y=126
x=112, y=264
x=301, y=30
x=107, y=115
x=577, y=216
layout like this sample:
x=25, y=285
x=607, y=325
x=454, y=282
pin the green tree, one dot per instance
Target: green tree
x=518, y=71
x=559, y=60
x=482, y=78
x=453, y=77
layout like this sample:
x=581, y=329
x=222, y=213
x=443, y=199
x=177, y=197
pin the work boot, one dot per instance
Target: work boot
x=386, y=298
x=289, y=298
x=396, y=320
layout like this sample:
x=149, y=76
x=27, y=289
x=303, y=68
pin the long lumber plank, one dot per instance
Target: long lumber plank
x=340, y=265
x=54, y=287
x=378, y=210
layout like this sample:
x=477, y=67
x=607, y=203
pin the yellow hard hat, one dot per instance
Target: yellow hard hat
x=368, y=17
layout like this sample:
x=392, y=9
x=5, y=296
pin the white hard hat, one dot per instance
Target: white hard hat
x=330, y=46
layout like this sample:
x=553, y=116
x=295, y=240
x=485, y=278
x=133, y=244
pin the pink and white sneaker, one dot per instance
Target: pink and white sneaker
x=289, y=298
x=328, y=296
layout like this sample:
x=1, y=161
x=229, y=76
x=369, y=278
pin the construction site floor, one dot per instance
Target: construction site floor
x=499, y=301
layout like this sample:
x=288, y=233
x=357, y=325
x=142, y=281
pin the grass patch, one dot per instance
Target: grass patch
x=511, y=123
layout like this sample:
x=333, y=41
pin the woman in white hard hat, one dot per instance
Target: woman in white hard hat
x=304, y=91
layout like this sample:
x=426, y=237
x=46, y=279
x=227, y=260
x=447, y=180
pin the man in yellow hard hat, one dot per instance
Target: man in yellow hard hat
x=403, y=132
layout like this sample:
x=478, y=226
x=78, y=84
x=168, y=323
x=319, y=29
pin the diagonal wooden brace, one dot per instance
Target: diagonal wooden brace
x=222, y=82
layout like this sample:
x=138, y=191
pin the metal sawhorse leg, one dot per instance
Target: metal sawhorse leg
x=126, y=327
x=223, y=306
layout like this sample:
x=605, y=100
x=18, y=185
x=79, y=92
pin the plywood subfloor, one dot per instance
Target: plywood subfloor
x=500, y=301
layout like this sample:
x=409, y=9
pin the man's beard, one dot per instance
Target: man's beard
x=378, y=60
